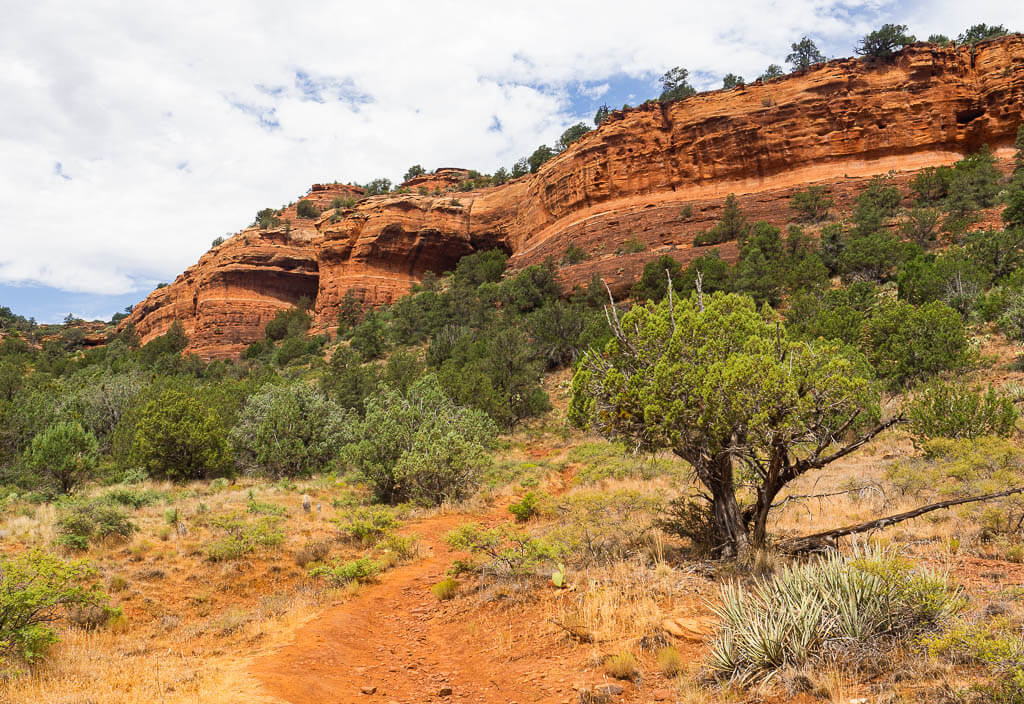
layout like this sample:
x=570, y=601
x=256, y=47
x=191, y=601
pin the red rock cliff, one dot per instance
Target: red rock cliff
x=838, y=124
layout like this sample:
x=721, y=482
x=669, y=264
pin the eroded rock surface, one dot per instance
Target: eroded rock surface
x=657, y=174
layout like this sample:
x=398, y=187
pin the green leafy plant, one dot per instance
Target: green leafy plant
x=446, y=589
x=362, y=569
x=36, y=589
x=507, y=551
x=950, y=410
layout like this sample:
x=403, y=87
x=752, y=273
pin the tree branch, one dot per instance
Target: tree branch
x=818, y=540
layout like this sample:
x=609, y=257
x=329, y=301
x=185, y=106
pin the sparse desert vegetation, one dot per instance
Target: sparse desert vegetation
x=792, y=474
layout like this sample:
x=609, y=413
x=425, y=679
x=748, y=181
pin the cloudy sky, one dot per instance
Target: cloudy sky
x=132, y=133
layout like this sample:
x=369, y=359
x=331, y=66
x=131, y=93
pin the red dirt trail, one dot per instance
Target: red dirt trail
x=393, y=636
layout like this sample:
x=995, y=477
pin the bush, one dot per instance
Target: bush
x=599, y=527
x=995, y=645
x=267, y=219
x=312, y=551
x=527, y=507
x=824, y=608
x=905, y=342
x=347, y=381
x=292, y=322
x=35, y=588
x=631, y=246
x=951, y=469
x=367, y=525
x=732, y=226
x=479, y=268
x=362, y=569
x=421, y=447
x=177, y=438
x=243, y=536
x=670, y=662
x=653, y=282
x=446, y=589
x=573, y=255
x=811, y=204
x=289, y=431
x=90, y=521
x=64, y=453
x=956, y=411
x=506, y=551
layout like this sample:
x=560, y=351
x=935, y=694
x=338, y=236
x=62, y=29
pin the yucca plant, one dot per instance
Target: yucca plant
x=830, y=603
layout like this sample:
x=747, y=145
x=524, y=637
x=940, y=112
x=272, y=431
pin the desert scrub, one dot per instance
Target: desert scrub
x=446, y=589
x=995, y=645
x=312, y=551
x=826, y=607
x=527, y=507
x=243, y=535
x=366, y=524
x=598, y=527
x=136, y=498
x=950, y=469
x=505, y=550
x=36, y=590
x=360, y=570
x=622, y=666
x=606, y=460
x=399, y=548
x=82, y=522
x=265, y=508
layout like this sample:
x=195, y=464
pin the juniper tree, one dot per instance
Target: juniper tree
x=720, y=384
x=804, y=55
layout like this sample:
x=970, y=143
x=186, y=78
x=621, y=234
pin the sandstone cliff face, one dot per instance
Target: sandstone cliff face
x=837, y=124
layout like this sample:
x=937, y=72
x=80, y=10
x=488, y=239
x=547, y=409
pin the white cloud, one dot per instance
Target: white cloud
x=173, y=123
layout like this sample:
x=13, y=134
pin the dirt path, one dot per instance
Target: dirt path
x=396, y=638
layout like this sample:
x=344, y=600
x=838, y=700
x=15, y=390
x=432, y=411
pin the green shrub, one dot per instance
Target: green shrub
x=264, y=508
x=421, y=447
x=732, y=226
x=35, y=589
x=307, y=209
x=366, y=525
x=401, y=547
x=995, y=645
x=573, y=255
x=242, y=536
x=952, y=469
x=446, y=589
x=506, y=551
x=527, y=507
x=291, y=322
x=65, y=453
x=289, y=431
x=905, y=342
x=362, y=569
x=82, y=522
x=135, y=498
x=811, y=204
x=949, y=410
x=178, y=438
x=267, y=219
x=631, y=246
x=824, y=607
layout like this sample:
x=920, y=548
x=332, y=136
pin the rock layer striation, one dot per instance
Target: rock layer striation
x=656, y=174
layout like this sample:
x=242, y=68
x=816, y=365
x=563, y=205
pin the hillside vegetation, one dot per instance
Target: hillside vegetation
x=647, y=487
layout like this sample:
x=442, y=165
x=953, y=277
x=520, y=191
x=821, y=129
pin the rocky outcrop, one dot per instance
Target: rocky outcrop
x=656, y=174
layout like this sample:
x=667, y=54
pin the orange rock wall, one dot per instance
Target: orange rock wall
x=836, y=124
